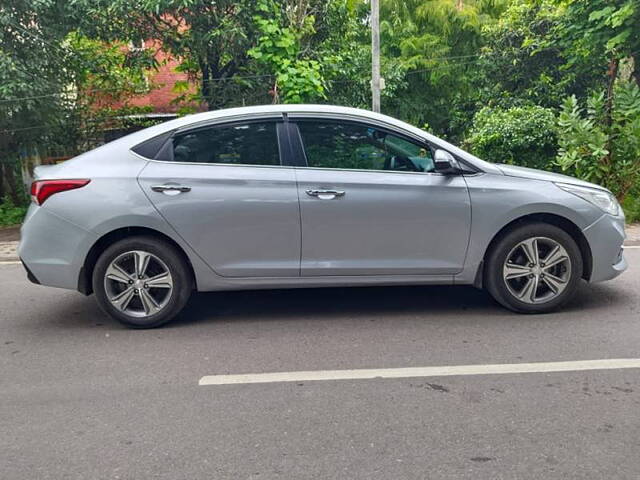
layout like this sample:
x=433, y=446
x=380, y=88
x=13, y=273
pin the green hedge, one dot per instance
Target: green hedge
x=519, y=135
x=11, y=214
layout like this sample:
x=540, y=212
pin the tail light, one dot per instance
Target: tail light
x=43, y=189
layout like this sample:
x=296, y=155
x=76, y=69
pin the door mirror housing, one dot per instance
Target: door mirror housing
x=444, y=162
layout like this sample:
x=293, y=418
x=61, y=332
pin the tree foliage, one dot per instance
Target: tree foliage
x=596, y=150
x=279, y=50
x=211, y=39
x=514, y=80
x=609, y=26
x=435, y=44
x=518, y=135
x=523, y=63
x=33, y=75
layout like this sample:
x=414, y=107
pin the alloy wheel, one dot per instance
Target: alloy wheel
x=138, y=283
x=537, y=270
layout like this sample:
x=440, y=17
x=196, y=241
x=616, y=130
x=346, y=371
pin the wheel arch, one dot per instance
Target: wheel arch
x=557, y=220
x=86, y=272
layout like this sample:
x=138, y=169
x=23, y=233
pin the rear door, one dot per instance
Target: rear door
x=223, y=188
x=371, y=204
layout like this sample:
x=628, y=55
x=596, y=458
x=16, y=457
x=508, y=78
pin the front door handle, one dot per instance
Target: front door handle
x=171, y=189
x=325, y=194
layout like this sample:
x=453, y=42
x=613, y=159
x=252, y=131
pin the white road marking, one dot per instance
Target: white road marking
x=10, y=262
x=541, y=367
x=628, y=247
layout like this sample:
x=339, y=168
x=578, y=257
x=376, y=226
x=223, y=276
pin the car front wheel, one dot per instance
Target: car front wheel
x=142, y=282
x=534, y=268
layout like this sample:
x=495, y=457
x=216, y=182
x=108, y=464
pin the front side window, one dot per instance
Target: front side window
x=240, y=144
x=356, y=146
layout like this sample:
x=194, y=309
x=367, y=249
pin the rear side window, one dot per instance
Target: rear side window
x=237, y=144
x=151, y=147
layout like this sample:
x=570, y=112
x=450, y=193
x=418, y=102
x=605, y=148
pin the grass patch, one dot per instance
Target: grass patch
x=631, y=207
x=11, y=214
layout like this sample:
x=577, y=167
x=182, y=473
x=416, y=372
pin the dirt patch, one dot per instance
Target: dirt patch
x=10, y=234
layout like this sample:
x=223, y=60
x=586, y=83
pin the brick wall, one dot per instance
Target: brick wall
x=162, y=83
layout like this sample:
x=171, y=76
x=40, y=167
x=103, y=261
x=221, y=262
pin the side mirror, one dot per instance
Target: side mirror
x=444, y=162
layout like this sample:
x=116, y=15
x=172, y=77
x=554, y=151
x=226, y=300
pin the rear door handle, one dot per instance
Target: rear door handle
x=171, y=189
x=325, y=194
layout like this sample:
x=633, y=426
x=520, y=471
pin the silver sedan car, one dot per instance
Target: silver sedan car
x=309, y=196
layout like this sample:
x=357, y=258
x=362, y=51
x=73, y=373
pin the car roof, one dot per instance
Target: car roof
x=280, y=109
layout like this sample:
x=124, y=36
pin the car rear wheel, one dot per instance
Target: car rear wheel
x=142, y=282
x=534, y=268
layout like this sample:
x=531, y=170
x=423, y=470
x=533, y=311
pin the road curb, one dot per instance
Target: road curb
x=8, y=251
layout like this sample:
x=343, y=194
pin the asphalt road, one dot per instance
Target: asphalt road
x=83, y=398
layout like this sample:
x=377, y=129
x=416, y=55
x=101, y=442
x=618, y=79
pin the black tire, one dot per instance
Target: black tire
x=174, y=261
x=497, y=256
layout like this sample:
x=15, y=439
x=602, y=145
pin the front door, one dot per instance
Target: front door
x=224, y=190
x=371, y=204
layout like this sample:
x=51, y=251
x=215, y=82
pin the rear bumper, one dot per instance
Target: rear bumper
x=30, y=276
x=606, y=237
x=53, y=249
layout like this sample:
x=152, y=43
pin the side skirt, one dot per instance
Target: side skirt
x=329, y=281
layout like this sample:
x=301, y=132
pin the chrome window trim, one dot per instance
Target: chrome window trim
x=373, y=171
x=276, y=116
x=286, y=115
x=216, y=164
x=219, y=122
x=358, y=119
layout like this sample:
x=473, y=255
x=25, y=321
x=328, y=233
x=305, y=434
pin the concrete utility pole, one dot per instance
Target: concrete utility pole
x=375, y=55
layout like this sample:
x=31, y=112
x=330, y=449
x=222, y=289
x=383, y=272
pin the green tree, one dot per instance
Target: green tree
x=315, y=50
x=279, y=50
x=523, y=63
x=592, y=28
x=436, y=43
x=518, y=135
x=605, y=30
x=601, y=146
x=32, y=80
x=211, y=39
x=52, y=81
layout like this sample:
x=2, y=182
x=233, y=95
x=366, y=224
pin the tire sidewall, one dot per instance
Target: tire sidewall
x=182, y=283
x=494, y=276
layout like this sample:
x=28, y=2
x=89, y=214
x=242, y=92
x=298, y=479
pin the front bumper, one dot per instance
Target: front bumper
x=606, y=237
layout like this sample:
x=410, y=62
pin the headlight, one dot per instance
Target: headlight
x=600, y=198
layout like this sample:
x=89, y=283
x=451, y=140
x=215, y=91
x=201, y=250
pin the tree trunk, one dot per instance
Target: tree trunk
x=10, y=177
x=612, y=73
x=635, y=74
x=2, y=189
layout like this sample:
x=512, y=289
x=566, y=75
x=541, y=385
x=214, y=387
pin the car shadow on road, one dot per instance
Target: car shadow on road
x=367, y=302
x=436, y=303
x=326, y=303
x=319, y=302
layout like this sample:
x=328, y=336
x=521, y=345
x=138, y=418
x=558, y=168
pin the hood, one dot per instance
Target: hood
x=532, y=173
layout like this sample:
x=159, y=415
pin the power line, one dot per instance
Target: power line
x=266, y=75
x=36, y=36
x=240, y=77
x=96, y=120
x=102, y=90
x=48, y=95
